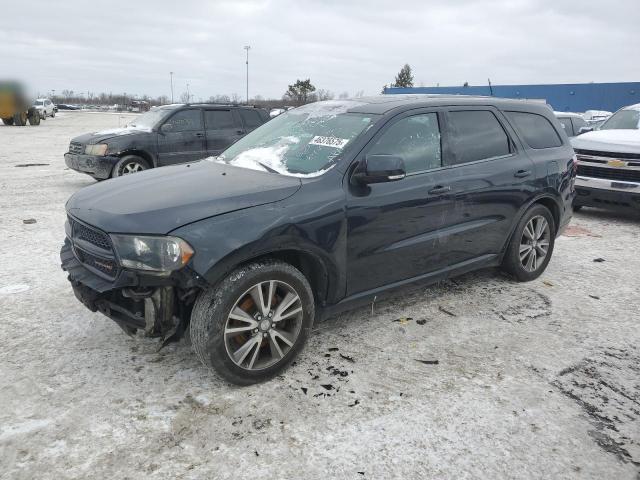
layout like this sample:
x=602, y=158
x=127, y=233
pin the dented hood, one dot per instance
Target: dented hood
x=160, y=200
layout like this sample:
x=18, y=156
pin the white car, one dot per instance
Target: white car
x=45, y=108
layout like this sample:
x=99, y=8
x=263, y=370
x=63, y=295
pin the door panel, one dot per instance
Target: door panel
x=393, y=227
x=488, y=192
x=223, y=128
x=182, y=138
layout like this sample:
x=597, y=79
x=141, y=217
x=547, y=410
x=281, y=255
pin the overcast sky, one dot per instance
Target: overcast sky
x=130, y=46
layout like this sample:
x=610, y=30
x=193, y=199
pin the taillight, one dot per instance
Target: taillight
x=575, y=162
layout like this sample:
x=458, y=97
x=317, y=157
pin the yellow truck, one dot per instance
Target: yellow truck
x=14, y=107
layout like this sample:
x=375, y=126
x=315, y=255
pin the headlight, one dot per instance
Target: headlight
x=100, y=149
x=157, y=254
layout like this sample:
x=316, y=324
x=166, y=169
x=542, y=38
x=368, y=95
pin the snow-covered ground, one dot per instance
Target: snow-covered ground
x=478, y=377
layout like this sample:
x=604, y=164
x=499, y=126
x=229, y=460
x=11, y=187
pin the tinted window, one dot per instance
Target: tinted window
x=566, y=125
x=218, y=119
x=578, y=123
x=536, y=130
x=251, y=118
x=416, y=139
x=186, y=121
x=477, y=135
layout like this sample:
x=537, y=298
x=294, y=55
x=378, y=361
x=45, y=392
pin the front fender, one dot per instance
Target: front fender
x=222, y=243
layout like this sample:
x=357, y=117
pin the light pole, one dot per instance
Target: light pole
x=247, y=48
x=188, y=94
x=171, y=77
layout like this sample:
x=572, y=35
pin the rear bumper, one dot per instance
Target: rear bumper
x=597, y=192
x=97, y=167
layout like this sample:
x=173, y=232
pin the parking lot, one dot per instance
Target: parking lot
x=477, y=377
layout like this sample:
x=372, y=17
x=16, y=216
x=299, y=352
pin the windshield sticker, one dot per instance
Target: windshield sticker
x=329, y=141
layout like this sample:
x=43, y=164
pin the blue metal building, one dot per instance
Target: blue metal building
x=569, y=97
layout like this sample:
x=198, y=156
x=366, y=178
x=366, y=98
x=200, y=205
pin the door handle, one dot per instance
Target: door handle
x=240, y=132
x=522, y=173
x=439, y=190
x=199, y=135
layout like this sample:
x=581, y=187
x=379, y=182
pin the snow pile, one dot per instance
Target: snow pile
x=267, y=159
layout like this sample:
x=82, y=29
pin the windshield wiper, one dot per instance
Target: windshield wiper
x=267, y=168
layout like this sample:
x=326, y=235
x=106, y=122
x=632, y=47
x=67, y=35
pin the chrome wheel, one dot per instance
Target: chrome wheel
x=263, y=325
x=534, y=244
x=132, y=167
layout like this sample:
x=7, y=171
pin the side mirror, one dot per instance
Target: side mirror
x=379, y=169
x=585, y=130
x=166, y=128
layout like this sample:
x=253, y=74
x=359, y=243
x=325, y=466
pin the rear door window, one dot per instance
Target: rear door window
x=219, y=119
x=476, y=135
x=536, y=130
x=416, y=139
x=251, y=118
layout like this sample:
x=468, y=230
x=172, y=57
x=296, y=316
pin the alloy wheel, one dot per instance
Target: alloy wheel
x=132, y=167
x=534, y=244
x=263, y=325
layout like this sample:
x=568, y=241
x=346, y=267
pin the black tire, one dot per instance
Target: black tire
x=8, y=121
x=20, y=119
x=211, y=313
x=53, y=114
x=512, y=262
x=577, y=208
x=34, y=117
x=129, y=162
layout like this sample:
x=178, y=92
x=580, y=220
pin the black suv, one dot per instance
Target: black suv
x=323, y=208
x=163, y=136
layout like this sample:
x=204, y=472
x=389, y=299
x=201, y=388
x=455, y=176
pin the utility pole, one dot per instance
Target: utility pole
x=171, y=76
x=188, y=94
x=247, y=48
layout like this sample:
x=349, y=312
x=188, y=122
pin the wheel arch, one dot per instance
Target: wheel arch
x=545, y=199
x=321, y=275
x=146, y=156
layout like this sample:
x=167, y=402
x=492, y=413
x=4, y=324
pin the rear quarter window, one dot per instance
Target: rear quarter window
x=537, y=131
x=251, y=118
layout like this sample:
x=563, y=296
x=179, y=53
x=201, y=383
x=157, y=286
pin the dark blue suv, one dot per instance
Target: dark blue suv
x=321, y=209
x=163, y=136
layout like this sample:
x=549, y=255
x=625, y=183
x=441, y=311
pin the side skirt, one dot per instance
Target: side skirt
x=368, y=296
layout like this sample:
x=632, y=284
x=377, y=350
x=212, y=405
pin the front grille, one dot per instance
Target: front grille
x=93, y=249
x=594, y=153
x=95, y=237
x=622, y=174
x=75, y=147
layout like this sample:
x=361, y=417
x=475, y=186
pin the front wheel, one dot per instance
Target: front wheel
x=251, y=325
x=8, y=121
x=531, y=246
x=129, y=164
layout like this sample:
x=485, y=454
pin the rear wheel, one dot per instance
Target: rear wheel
x=251, y=326
x=8, y=121
x=34, y=117
x=128, y=165
x=532, y=244
x=20, y=119
x=53, y=114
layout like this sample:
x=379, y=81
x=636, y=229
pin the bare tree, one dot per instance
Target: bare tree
x=343, y=95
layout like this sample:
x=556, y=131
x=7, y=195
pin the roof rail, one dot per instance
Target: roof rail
x=222, y=104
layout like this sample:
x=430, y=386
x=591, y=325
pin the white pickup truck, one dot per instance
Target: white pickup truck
x=609, y=163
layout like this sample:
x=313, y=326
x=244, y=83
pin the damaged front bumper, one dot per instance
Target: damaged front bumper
x=96, y=166
x=159, y=305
